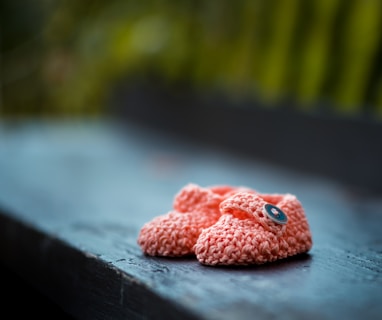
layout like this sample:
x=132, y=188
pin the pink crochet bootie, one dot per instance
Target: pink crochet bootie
x=254, y=229
x=194, y=209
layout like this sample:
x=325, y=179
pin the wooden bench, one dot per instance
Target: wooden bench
x=74, y=195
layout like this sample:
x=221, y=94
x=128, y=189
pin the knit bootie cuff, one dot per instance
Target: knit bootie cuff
x=270, y=211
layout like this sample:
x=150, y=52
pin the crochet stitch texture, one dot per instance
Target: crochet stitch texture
x=194, y=209
x=224, y=225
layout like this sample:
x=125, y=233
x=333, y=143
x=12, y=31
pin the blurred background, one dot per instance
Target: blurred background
x=63, y=57
x=304, y=78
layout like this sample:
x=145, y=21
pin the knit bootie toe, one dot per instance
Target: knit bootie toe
x=255, y=229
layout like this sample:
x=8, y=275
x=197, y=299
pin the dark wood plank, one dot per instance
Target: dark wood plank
x=73, y=197
x=20, y=297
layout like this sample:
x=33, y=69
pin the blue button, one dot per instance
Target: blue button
x=275, y=214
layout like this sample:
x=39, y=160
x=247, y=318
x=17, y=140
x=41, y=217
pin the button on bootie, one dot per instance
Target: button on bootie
x=176, y=232
x=255, y=229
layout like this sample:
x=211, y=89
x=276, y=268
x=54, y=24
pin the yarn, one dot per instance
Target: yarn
x=194, y=209
x=224, y=225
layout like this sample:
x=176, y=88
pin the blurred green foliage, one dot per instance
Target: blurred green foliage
x=65, y=57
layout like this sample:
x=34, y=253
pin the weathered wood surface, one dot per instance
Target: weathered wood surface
x=73, y=197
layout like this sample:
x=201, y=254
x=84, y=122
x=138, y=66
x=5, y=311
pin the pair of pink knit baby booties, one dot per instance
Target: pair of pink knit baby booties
x=225, y=225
